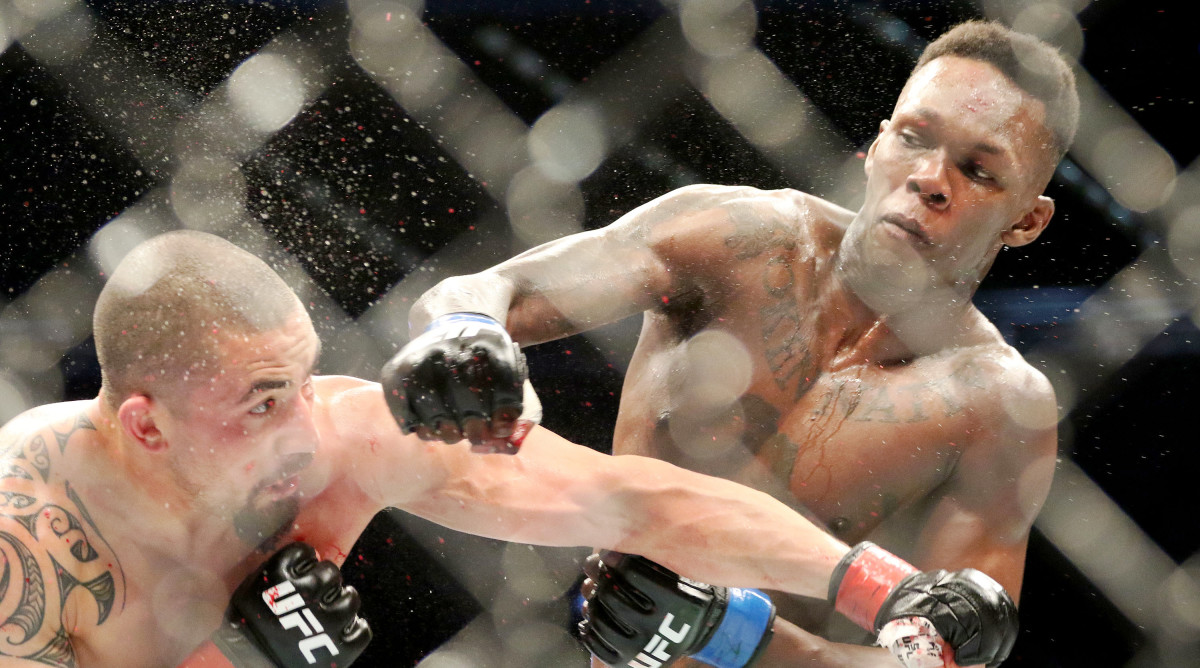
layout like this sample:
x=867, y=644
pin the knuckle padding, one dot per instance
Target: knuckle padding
x=326, y=574
x=617, y=590
x=606, y=620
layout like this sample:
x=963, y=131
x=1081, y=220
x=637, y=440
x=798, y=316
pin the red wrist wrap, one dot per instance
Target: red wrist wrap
x=866, y=585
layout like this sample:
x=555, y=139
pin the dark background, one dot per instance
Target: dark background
x=66, y=173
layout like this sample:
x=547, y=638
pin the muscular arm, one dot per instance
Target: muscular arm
x=558, y=493
x=983, y=513
x=585, y=280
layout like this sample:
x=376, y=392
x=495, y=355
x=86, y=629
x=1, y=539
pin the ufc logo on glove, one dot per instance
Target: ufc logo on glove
x=288, y=605
x=658, y=645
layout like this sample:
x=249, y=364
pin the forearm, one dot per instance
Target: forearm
x=721, y=532
x=558, y=493
x=792, y=646
x=486, y=293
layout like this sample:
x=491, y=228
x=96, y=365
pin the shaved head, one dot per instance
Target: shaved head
x=160, y=317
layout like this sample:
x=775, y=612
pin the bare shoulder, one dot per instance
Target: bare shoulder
x=348, y=399
x=1012, y=403
x=60, y=574
x=703, y=222
x=337, y=386
x=36, y=439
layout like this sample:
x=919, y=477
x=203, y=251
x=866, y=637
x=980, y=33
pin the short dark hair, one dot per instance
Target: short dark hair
x=160, y=316
x=1033, y=65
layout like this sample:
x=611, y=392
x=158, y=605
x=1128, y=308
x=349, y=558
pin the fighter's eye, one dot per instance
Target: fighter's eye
x=910, y=138
x=974, y=171
x=263, y=408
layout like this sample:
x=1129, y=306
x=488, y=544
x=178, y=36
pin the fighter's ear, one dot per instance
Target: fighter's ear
x=136, y=414
x=883, y=125
x=1030, y=226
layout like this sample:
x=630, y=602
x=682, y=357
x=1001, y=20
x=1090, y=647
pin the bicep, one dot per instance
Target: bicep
x=580, y=282
x=589, y=279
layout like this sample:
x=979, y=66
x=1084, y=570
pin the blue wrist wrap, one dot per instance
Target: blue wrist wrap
x=451, y=318
x=748, y=617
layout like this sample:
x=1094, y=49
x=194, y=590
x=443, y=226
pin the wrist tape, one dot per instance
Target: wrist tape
x=463, y=319
x=862, y=581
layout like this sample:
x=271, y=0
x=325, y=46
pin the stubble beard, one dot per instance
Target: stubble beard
x=261, y=524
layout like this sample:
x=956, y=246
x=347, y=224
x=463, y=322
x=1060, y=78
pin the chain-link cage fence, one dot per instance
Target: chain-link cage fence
x=369, y=148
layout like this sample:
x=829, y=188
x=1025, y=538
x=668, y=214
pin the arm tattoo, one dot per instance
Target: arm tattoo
x=49, y=547
x=754, y=234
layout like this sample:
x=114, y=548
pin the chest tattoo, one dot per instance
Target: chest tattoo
x=885, y=402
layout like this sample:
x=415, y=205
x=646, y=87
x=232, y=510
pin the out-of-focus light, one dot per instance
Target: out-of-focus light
x=57, y=308
x=569, y=142
x=114, y=241
x=58, y=34
x=385, y=21
x=209, y=194
x=716, y=372
x=1053, y=23
x=445, y=658
x=1183, y=242
x=1141, y=174
x=526, y=574
x=1066, y=390
x=749, y=91
x=13, y=400
x=533, y=642
x=718, y=28
x=266, y=91
x=540, y=210
x=1181, y=590
x=42, y=10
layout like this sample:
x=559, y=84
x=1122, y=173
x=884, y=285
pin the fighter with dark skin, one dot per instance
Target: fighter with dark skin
x=833, y=358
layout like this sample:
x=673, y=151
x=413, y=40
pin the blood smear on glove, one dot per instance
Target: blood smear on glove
x=915, y=643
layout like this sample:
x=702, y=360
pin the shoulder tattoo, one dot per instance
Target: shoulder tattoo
x=49, y=548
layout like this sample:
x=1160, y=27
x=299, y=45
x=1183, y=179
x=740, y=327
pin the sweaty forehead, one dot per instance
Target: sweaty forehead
x=972, y=91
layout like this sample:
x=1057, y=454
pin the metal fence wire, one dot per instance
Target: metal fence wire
x=369, y=148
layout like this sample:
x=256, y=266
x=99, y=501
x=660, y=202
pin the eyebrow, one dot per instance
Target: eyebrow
x=263, y=386
x=266, y=385
x=928, y=114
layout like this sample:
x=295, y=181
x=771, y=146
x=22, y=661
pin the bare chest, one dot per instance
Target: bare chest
x=748, y=401
x=171, y=610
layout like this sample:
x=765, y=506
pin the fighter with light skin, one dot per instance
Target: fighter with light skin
x=832, y=358
x=144, y=527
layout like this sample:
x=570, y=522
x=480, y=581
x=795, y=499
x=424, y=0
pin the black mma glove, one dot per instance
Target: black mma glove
x=643, y=615
x=292, y=612
x=968, y=609
x=462, y=378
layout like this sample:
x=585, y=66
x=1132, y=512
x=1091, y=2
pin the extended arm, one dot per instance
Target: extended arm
x=575, y=283
x=561, y=494
x=558, y=493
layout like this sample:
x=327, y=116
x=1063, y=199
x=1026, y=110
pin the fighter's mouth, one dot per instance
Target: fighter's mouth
x=284, y=487
x=289, y=476
x=910, y=226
